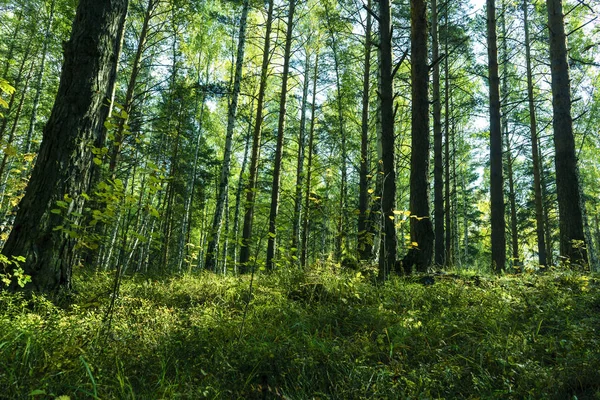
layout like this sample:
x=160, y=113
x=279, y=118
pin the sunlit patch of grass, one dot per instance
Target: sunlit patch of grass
x=324, y=333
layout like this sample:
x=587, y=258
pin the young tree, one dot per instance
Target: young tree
x=63, y=172
x=568, y=191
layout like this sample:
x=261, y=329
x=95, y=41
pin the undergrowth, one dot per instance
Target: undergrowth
x=320, y=334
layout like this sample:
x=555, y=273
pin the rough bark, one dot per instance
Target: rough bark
x=496, y=179
x=420, y=253
x=272, y=239
x=64, y=165
x=568, y=190
x=388, y=249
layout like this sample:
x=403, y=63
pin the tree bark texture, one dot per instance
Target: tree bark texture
x=438, y=162
x=64, y=165
x=421, y=228
x=388, y=249
x=568, y=191
x=496, y=179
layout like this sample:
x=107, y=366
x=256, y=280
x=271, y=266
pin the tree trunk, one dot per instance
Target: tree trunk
x=226, y=166
x=271, y=242
x=537, y=185
x=568, y=190
x=450, y=231
x=252, y=178
x=388, y=249
x=64, y=164
x=438, y=167
x=300, y=166
x=496, y=181
x=311, y=140
x=420, y=253
x=39, y=80
x=365, y=240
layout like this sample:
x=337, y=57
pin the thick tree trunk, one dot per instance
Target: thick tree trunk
x=568, y=191
x=226, y=166
x=271, y=242
x=421, y=228
x=537, y=185
x=365, y=239
x=438, y=167
x=388, y=249
x=496, y=180
x=253, y=173
x=64, y=164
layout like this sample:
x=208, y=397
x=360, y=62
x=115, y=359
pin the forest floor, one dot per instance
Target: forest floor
x=322, y=334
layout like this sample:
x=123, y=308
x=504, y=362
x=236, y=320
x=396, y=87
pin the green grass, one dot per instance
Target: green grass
x=310, y=335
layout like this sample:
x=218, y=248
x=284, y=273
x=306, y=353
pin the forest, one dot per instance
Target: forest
x=302, y=199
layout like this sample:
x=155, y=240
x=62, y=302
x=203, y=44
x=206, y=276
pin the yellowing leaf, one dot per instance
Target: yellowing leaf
x=414, y=244
x=371, y=191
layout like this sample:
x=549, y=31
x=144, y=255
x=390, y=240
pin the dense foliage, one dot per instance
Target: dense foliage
x=328, y=333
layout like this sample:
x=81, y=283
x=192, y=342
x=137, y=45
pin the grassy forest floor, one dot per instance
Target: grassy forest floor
x=325, y=334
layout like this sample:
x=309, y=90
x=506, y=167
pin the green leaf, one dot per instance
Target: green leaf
x=37, y=392
x=97, y=161
x=56, y=211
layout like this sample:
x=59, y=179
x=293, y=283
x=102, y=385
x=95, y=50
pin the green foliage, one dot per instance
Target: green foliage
x=16, y=275
x=306, y=335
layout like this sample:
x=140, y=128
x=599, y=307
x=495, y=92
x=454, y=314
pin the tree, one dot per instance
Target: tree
x=275, y=188
x=421, y=228
x=387, y=256
x=568, y=191
x=254, y=155
x=496, y=181
x=438, y=167
x=231, y=118
x=63, y=172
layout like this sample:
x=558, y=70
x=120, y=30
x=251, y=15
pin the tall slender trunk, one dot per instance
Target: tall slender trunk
x=117, y=143
x=300, y=166
x=420, y=253
x=537, y=185
x=512, y=196
x=450, y=231
x=271, y=242
x=568, y=189
x=388, y=248
x=254, y=157
x=309, y=167
x=365, y=240
x=496, y=180
x=39, y=85
x=64, y=165
x=226, y=166
x=438, y=167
